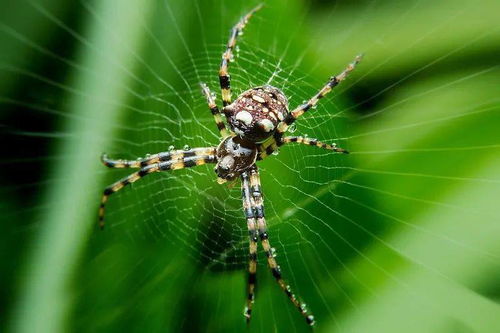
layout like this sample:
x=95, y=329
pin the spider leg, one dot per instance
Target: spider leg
x=155, y=158
x=267, y=147
x=312, y=142
x=176, y=164
x=258, y=205
x=266, y=150
x=298, y=111
x=215, y=111
x=227, y=56
x=252, y=234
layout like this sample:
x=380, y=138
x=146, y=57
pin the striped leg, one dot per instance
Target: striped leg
x=258, y=204
x=176, y=164
x=252, y=234
x=227, y=56
x=333, y=82
x=267, y=148
x=312, y=142
x=155, y=158
x=270, y=148
x=215, y=111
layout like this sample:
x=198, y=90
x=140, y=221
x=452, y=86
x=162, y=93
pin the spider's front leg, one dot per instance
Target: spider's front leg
x=177, y=160
x=224, y=77
x=253, y=238
x=258, y=206
x=155, y=158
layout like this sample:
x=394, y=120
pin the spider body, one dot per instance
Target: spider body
x=253, y=117
x=258, y=120
x=234, y=156
x=256, y=113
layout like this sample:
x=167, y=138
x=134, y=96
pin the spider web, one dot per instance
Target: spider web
x=400, y=232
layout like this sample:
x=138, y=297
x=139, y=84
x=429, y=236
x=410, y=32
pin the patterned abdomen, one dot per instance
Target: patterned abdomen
x=255, y=114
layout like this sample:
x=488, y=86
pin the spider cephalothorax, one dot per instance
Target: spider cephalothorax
x=258, y=118
x=256, y=113
x=234, y=155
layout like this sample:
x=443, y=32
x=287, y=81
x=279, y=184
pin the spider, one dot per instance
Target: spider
x=258, y=120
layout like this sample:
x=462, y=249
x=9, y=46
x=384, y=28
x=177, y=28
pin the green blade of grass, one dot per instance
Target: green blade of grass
x=45, y=299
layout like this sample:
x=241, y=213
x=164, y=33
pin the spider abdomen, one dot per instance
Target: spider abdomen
x=255, y=114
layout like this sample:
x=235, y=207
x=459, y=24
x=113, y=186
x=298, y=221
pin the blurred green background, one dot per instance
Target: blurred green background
x=401, y=235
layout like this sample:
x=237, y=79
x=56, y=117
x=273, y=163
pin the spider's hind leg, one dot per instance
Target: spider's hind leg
x=215, y=111
x=224, y=77
x=301, y=109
